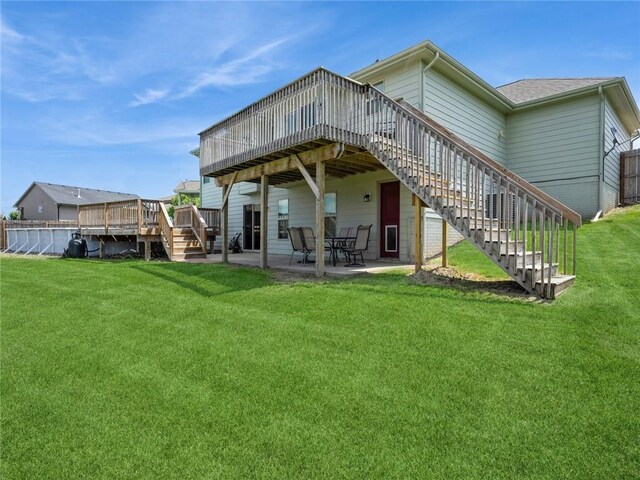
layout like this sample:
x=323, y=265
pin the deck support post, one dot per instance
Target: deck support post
x=445, y=231
x=103, y=245
x=225, y=223
x=226, y=190
x=320, y=219
x=147, y=250
x=264, y=220
x=419, y=250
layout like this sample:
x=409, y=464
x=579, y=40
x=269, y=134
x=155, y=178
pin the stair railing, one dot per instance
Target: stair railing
x=166, y=230
x=517, y=224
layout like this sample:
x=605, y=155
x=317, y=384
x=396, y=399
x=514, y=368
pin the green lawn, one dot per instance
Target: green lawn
x=128, y=369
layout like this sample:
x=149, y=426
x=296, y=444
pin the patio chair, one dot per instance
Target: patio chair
x=297, y=244
x=359, y=246
x=309, y=240
x=340, y=246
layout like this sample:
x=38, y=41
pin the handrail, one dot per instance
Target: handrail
x=471, y=150
x=188, y=216
x=166, y=229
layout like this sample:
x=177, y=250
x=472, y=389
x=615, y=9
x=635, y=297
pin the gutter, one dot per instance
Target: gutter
x=601, y=150
x=423, y=81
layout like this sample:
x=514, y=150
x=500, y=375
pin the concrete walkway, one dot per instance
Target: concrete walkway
x=281, y=262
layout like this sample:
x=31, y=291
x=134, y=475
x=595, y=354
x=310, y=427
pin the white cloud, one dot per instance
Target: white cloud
x=149, y=96
x=241, y=71
x=8, y=34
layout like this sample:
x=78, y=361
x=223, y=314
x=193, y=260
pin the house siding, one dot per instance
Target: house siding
x=612, y=160
x=400, y=83
x=555, y=147
x=35, y=198
x=465, y=115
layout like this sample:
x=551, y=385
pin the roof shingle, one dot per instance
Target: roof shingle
x=530, y=89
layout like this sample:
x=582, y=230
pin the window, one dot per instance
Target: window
x=283, y=218
x=330, y=214
x=206, y=179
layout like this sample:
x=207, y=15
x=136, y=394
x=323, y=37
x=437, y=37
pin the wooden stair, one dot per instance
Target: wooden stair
x=186, y=245
x=462, y=190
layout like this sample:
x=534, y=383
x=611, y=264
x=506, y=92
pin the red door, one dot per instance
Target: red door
x=390, y=219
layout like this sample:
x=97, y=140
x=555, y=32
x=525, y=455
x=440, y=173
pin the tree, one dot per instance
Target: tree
x=14, y=215
x=182, y=199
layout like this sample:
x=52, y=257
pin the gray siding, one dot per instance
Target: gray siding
x=38, y=198
x=612, y=161
x=555, y=147
x=465, y=115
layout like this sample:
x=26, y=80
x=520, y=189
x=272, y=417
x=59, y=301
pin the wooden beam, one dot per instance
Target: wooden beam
x=327, y=152
x=147, y=250
x=307, y=177
x=264, y=220
x=419, y=251
x=225, y=223
x=445, y=231
x=225, y=194
x=320, y=219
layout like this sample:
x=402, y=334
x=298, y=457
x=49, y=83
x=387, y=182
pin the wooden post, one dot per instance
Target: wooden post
x=147, y=250
x=419, y=251
x=106, y=219
x=225, y=223
x=140, y=215
x=320, y=219
x=102, y=248
x=264, y=220
x=445, y=230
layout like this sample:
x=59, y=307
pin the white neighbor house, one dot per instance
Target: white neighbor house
x=553, y=133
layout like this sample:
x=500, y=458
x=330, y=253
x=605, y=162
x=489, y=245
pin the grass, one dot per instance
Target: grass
x=129, y=369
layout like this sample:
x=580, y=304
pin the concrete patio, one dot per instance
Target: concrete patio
x=281, y=262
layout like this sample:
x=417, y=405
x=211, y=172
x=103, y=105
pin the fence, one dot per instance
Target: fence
x=630, y=177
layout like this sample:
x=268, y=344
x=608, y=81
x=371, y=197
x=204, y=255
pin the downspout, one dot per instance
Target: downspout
x=423, y=82
x=601, y=150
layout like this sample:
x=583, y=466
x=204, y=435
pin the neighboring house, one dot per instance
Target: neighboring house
x=190, y=188
x=554, y=133
x=48, y=201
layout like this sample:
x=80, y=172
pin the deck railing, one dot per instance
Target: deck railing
x=187, y=216
x=212, y=218
x=166, y=229
x=128, y=214
x=512, y=221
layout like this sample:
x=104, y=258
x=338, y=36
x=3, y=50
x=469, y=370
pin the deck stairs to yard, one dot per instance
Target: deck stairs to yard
x=185, y=236
x=523, y=230
x=458, y=190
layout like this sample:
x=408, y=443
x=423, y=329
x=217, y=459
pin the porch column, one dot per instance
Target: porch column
x=320, y=219
x=264, y=219
x=419, y=251
x=225, y=223
x=445, y=231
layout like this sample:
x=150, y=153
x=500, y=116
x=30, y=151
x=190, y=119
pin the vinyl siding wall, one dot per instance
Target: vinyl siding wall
x=555, y=147
x=351, y=211
x=465, y=115
x=35, y=198
x=612, y=161
x=400, y=83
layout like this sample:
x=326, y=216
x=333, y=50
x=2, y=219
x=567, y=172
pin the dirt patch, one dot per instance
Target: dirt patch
x=450, y=277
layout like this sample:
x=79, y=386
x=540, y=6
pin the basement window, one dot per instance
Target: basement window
x=283, y=218
x=330, y=214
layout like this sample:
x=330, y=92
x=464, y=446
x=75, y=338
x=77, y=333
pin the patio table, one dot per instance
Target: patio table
x=334, y=246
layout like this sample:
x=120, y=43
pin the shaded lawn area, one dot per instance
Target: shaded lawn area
x=129, y=369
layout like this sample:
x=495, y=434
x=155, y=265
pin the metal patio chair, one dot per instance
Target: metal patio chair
x=359, y=246
x=297, y=244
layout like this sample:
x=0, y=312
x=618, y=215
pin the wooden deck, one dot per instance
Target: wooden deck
x=186, y=235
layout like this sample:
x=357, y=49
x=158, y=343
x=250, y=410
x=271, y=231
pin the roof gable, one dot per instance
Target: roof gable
x=71, y=195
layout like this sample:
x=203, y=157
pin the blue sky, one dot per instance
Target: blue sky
x=112, y=95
